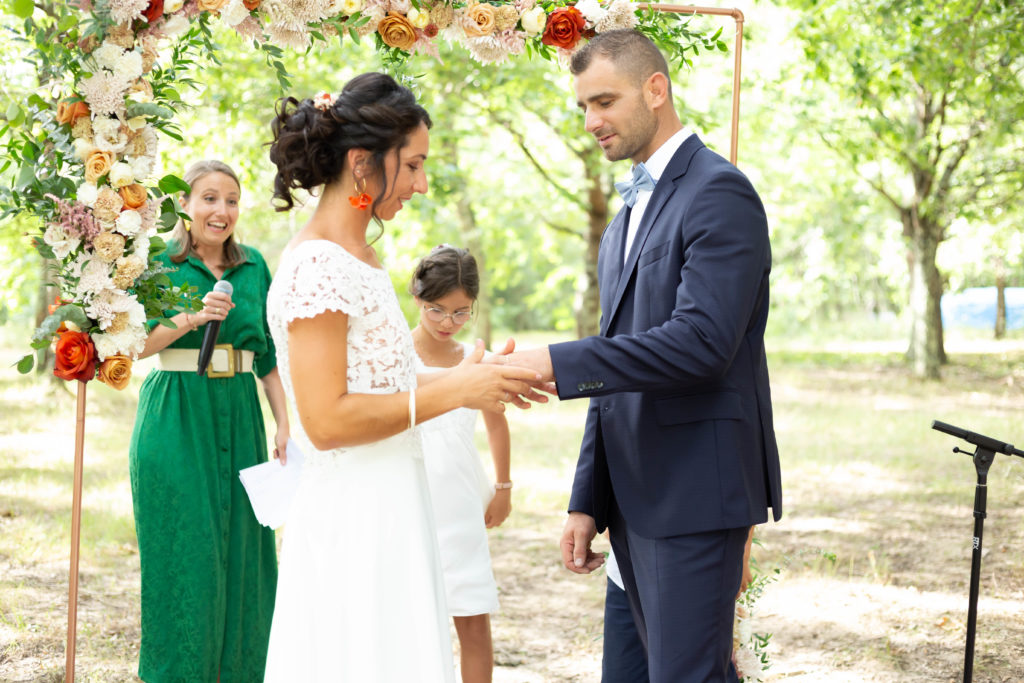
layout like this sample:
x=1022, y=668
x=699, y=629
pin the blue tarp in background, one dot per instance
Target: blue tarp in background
x=976, y=307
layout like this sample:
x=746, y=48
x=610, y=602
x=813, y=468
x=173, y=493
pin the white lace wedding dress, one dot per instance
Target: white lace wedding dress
x=360, y=595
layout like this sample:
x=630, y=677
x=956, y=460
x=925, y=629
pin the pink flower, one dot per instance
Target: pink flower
x=76, y=219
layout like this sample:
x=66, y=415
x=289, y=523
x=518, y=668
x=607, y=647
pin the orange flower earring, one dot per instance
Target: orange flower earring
x=360, y=199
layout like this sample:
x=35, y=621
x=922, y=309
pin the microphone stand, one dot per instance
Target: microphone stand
x=984, y=454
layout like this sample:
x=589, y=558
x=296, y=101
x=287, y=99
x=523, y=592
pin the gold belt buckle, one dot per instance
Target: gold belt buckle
x=230, y=372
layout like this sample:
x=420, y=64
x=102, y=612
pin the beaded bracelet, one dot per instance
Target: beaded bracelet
x=503, y=485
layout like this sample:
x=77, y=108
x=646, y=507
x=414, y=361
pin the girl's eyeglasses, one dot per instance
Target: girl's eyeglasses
x=436, y=315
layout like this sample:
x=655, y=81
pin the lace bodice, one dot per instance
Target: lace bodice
x=319, y=276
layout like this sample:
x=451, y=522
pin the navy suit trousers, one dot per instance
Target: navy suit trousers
x=624, y=659
x=682, y=592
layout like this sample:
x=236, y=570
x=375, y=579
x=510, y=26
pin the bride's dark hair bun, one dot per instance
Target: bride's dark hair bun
x=372, y=112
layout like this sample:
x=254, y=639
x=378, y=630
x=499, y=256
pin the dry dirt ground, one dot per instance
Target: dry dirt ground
x=873, y=550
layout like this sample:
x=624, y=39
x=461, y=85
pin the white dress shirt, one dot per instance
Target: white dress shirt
x=656, y=167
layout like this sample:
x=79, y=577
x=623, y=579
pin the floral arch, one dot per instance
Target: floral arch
x=86, y=143
x=82, y=148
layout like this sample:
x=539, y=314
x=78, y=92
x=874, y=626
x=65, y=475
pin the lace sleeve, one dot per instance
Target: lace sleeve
x=318, y=281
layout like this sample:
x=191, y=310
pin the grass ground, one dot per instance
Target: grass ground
x=874, y=547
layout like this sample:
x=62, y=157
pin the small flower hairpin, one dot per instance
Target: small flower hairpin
x=323, y=100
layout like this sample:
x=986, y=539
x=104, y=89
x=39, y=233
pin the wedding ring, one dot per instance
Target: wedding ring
x=507, y=397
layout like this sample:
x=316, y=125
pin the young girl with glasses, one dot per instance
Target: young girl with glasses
x=445, y=286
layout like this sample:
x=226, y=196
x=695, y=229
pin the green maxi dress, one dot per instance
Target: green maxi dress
x=209, y=569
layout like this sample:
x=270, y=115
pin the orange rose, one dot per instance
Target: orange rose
x=479, y=20
x=97, y=165
x=154, y=11
x=134, y=196
x=57, y=303
x=115, y=371
x=68, y=112
x=395, y=30
x=75, y=357
x=564, y=27
x=251, y=4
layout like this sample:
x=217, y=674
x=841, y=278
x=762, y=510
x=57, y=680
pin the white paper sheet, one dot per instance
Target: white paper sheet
x=271, y=487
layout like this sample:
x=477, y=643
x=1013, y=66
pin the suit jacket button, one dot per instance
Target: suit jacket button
x=599, y=384
x=581, y=387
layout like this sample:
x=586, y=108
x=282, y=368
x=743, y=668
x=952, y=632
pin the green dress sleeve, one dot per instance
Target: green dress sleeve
x=267, y=360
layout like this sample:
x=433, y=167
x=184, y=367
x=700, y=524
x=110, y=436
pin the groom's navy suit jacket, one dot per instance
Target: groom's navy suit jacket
x=680, y=419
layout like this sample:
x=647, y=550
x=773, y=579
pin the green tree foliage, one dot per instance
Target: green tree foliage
x=482, y=195
x=930, y=110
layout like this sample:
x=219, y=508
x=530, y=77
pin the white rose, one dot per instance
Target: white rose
x=106, y=126
x=175, y=25
x=128, y=222
x=142, y=167
x=234, y=13
x=83, y=148
x=121, y=174
x=108, y=136
x=87, y=193
x=534, y=21
x=129, y=66
x=141, y=247
x=350, y=7
x=107, y=54
x=591, y=10
x=418, y=18
x=129, y=342
x=61, y=243
x=172, y=6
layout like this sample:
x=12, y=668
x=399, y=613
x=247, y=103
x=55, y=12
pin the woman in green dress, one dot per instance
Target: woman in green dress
x=209, y=569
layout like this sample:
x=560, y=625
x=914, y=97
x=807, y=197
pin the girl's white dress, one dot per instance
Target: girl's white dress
x=460, y=490
x=360, y=595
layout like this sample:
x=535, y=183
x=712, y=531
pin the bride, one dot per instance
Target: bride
x=360, y=594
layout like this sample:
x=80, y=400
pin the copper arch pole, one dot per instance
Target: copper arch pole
x=76, y=525
x=738, y=18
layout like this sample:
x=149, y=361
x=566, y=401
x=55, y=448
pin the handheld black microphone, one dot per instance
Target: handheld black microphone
x=212, y=328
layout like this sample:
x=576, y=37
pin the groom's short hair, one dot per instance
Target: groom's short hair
x=629, y=50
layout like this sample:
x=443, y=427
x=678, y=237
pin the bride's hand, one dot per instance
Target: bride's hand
x=486, y=386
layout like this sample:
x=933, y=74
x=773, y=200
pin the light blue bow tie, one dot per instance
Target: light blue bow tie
x=641, y=181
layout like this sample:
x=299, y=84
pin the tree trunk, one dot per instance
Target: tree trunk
x=588, y=312
x=470, y=232
x=926, y=341
x=1000, y=331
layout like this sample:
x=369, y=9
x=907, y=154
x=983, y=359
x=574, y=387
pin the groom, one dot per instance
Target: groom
x=678, y=457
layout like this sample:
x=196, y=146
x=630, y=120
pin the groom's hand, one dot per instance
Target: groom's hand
x=537, y=359
x=577, y=556
x=520, y=359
